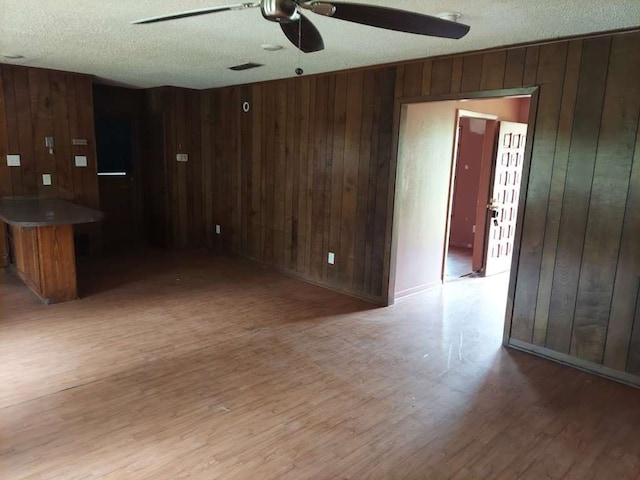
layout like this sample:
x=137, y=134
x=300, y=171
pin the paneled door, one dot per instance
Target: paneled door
x=502, y=209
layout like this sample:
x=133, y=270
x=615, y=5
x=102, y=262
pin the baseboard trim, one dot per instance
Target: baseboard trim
x=410, y=292
x=584, y=365
x=377, y=301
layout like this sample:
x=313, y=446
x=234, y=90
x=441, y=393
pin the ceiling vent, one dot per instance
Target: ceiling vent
x=245, y=66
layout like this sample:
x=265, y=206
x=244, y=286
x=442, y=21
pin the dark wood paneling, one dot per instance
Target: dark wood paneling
x=121, y=197
x=550, y=73
x=309, y=169
x=607, y=205
x=556, y=191
x=575, y=205
x=173, y=193
x=37, y=103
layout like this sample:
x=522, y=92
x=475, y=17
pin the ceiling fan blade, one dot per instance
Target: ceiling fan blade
x=391, y=19
x=310, y=39
x=194, y=13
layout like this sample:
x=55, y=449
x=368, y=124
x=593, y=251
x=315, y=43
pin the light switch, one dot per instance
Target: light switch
x=182, y=157
x=13, y=160
x=331, y=258
x=218, y=229
x=81, y=160
x=46, y=179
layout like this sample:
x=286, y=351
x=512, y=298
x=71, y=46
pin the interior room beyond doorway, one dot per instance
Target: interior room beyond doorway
x=448, y=209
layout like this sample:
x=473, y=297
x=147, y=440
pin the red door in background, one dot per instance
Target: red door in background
x=502, y=208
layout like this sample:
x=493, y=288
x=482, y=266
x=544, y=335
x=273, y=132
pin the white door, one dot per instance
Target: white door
x=502, y=208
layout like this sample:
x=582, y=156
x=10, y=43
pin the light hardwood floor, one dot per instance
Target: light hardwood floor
x=184, y=365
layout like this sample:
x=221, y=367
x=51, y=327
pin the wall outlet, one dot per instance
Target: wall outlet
x=13, y=160
x=218, y=230
x=80, y=160
x=46, y=179
x=331, y=258
x=182, y=157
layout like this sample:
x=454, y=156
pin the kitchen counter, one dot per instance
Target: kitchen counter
x=43, y=243
x=39, y=212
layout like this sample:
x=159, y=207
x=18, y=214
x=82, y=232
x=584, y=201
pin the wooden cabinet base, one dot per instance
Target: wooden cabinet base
x=45, y=261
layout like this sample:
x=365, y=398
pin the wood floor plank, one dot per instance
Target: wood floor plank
x=188, y=365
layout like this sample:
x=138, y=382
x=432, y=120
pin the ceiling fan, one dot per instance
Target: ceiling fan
x=305, y=36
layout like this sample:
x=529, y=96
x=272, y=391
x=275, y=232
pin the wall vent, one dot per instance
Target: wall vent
x=245, y=66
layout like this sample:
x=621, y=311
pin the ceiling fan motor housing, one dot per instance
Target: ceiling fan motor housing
x=281, y=11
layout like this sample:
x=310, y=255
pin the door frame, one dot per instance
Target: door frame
x=460, y=113
x=391, y=242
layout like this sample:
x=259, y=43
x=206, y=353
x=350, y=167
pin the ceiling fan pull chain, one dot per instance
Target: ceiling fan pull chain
x=299, y=70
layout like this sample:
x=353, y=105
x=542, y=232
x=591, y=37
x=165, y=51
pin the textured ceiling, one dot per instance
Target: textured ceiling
x=96, y=37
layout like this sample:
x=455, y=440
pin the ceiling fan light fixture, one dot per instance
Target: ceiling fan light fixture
x=450, y=16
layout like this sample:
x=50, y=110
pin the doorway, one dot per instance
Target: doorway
x=447, y=200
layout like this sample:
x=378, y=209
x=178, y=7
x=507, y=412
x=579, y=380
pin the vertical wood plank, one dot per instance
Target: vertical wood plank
x=257, y=200
x=456, y=75
x=364, y=164
x=353, y=125
x=291, y=163
x=25, y=132
x=426, y=77
x=556, y=191
x=441, y=72
x=607, y=203
x=380, y=241
x=6, y=187
x=529, y=73
x=514, y=67
x=582, y=154
x=493, y=70
x=320, y=124
x=550, y=77
x=13, y=144
x=622, y=350
x=471, y=73
x=311, y=186
x=337, y=174
x=62, y=178
x=412, y=81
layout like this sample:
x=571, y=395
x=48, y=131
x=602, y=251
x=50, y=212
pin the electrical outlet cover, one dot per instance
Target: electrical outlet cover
x=81, y=160
x=331, y=258
x=182, y=157
x=46, y=179
x=13, y=160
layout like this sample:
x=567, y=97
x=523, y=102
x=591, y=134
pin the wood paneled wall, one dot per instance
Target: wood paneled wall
x=173, y=193
x=37, y=103
x=304, y=172
x=310, y=169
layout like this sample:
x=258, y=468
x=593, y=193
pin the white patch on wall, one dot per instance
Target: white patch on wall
x=477, y=125
x=13, y=160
